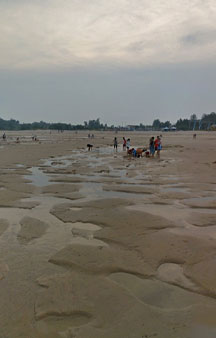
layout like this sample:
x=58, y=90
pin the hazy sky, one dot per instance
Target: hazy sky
x=123, y=61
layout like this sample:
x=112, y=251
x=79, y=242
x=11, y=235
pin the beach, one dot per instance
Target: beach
x=97, y=244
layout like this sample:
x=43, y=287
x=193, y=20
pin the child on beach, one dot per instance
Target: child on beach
x=115, y=143
x=158, y=146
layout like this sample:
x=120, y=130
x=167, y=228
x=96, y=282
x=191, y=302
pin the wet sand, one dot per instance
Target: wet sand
x=99, y=245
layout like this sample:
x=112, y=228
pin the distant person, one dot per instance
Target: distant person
x=194, y=136
x=4, y=136
x=152, y=146
x=17, y=140
x=158, y=146
x=89, y=146
x=124, y=143
x=115, y=143
x=128, y=144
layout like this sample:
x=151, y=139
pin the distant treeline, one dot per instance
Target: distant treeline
x=193, y=123
x=16, y=125
x=206, y=122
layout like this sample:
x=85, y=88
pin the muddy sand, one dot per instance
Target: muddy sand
x=100, y=245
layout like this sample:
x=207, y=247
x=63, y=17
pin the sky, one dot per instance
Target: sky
x=122, y=61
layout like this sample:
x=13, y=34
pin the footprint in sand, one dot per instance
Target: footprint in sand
x=58, y=308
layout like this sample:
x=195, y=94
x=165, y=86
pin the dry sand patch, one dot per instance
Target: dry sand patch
x=100, y=260
x=31, y=228
x=3, y=270
x=203, y=274
x=3, y=226
x=202, y=219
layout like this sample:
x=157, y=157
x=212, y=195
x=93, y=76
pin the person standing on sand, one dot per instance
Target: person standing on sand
x=152, y=146
x=115, y=143
x=158, y=146
x=124, y=143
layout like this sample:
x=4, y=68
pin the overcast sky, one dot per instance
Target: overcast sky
x=122, y=61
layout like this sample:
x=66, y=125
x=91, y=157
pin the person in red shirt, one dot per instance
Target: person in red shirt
x=158, y=146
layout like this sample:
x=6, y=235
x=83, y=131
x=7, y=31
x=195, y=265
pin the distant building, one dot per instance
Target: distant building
x=132, y=127
x=173, y=128
x=165, y=129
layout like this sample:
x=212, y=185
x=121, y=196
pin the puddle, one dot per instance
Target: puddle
x=93, y=190
x=170, y=177
x=174, y=189
x=58, y=162
x=85, y=230
x=86, y=226
x=38, y=178
x=20, y=165
x=75, y=209
x=9, y=169
x=201, y=199
x=83, y=234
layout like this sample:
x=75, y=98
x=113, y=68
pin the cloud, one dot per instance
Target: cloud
x=71, y=33
x=200, y=38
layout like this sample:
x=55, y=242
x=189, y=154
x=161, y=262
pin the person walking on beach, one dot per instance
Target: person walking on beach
x=115, y=143
x=152, y=146
x=158, y=146
x=124, y=143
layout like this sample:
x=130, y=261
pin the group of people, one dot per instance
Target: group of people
x=154, y=146
x=126, y=143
